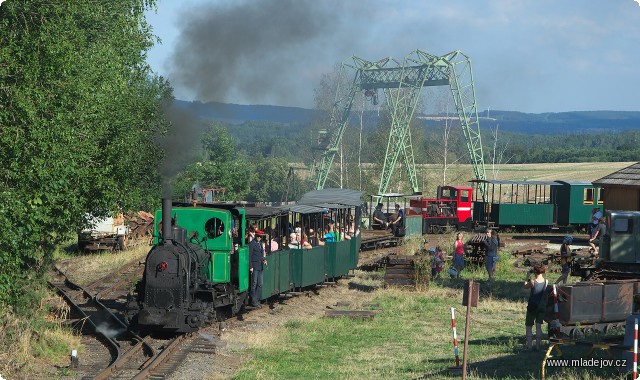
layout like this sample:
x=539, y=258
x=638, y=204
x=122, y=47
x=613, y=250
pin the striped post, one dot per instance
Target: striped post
x=635, y=350
x=555, y=310
x=455, y=336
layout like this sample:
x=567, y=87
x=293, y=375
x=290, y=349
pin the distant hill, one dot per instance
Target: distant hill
x=238, y=113
x=508, y=121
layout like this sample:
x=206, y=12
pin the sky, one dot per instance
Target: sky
x=531, y=56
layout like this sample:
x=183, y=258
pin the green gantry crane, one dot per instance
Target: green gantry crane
x=402, y=84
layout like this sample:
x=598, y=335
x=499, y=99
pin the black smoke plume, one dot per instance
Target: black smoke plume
x=257, y=50
x=181, y=144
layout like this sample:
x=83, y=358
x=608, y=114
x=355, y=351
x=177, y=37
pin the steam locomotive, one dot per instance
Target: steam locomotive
x=198, y=269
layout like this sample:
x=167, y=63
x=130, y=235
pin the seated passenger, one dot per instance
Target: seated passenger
x=397, y=220
x=380, y=220
x=329, y=237
x=304, y=243
x=313, y=239
x=293, y=241
x=273, y=244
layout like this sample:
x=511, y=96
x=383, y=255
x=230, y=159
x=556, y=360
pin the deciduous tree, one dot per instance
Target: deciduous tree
x=79, y=109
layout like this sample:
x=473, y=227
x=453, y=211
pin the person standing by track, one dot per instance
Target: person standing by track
x=565, y=258
x=536, y=305
x=458, y=254
x=595, y=217
x=491, y=244
x=596, y=237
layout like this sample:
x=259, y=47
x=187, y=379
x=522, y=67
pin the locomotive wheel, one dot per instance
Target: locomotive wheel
x=576, y=333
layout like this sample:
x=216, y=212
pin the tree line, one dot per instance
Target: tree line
x=291, y=142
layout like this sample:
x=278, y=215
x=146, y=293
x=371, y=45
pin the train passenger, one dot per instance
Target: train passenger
x=598, y=233
x=250, y=233
x=329, y=234
x=565, y=258
x=458, y=254
x=537, y=303
x=304, y=242
x=329, y=237
x=258, y=261
x=491, y=244
x=313, y=238
x=397, y=220
x=294, y=243
x=347, y=233
x=380, y=220
x=273, y=244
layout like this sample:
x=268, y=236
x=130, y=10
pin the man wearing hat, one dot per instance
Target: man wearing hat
x=257, y=261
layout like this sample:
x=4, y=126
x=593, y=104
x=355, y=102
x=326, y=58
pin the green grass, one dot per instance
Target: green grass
x=411, y=337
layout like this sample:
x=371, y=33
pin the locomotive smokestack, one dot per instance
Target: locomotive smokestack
x=167, y=233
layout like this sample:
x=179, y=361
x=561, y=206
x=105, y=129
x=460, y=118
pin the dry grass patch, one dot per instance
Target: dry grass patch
x=31, y=347
x=87, y=268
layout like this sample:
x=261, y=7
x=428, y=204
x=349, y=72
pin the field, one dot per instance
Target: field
x=431, y=175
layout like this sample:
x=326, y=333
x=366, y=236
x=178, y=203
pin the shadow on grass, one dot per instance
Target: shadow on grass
x=519, y=363
x=361, y=287
x=525, y=364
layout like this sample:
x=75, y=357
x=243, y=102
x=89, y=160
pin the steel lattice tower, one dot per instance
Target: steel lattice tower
x=402, y=84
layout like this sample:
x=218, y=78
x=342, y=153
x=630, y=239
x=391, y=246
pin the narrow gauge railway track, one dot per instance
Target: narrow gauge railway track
x=111, y=350
x=116, y=283
x=111, y=344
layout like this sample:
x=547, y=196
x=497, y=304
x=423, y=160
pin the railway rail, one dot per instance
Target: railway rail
x=113, y=340
x=111, y=349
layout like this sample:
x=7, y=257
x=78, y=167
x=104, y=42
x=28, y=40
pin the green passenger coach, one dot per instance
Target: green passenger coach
x=576, y=201
x=515, y=203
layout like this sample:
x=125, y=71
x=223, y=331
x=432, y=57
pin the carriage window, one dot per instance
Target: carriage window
x=588, y=196
x=214, y=227
x=464, y=195
x=600, y=195
x=622, y=226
